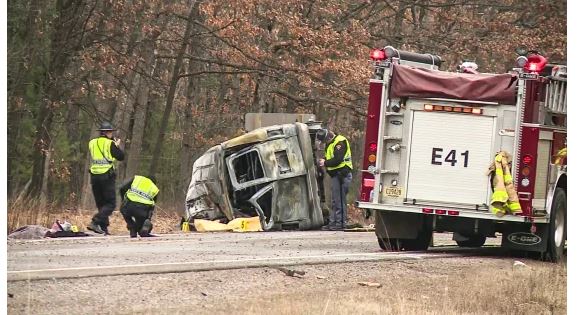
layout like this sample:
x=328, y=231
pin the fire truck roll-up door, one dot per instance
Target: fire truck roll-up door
x=449, y=154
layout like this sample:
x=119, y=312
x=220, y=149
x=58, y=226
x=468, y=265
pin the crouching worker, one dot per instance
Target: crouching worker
x=139, y=195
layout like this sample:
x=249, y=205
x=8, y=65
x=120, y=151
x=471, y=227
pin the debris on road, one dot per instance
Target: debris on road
x=519, y=264
x=237, y=225
x=356, y=227
x=370, y=284
x=320, y=277
x=10, y=295
x=29, y=232
x=292, y=272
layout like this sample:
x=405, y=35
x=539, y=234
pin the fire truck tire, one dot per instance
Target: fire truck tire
x=389, y=244
x=382, y=243
x=557, y=226
x=420, y=243
x=473, y=241
x=424, y=238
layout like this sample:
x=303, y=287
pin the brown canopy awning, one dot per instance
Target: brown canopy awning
x=414, y=82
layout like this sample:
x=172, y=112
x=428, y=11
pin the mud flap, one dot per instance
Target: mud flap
x=519, y=237
x=397, y=224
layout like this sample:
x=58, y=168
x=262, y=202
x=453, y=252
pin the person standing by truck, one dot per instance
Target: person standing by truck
x=338, y=163
x=104, y=151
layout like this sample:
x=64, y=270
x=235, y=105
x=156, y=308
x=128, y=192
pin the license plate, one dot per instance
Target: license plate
x=528, y=76
x=393, y=191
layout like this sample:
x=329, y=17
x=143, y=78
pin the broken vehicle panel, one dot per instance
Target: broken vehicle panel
x=268, y=172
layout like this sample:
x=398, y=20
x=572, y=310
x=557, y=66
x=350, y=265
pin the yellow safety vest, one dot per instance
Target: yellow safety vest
x=142, y=191
x=330, y=153
x=101, y=157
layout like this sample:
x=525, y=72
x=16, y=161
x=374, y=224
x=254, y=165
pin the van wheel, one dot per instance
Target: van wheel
x=557, y=227
x=473, y=241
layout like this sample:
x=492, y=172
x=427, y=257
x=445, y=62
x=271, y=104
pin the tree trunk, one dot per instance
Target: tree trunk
x=67, y=16
x=172, y=89
x=138, y=129
x=73, y=135
x=186, y=158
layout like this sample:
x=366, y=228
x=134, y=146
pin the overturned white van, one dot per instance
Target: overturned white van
x=268, y=172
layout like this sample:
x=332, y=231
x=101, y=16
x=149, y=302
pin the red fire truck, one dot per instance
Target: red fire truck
x=431, y=136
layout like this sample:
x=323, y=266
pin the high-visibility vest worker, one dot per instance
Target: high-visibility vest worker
x=142, y=190
x=101, y=157
x=329, y=154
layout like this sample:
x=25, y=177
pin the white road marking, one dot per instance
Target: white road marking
x=378, y=255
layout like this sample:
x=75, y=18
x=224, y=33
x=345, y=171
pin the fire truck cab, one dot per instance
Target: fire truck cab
x=431, y=136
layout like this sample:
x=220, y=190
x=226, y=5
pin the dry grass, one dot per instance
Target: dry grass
x=356, y=215
x=28, y=212
x=540, y=289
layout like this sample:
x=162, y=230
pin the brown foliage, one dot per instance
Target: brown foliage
x=258, y=56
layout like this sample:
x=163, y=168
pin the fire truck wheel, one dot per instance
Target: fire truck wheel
x=473, y=241
x=389, y=244
x=424, y=238
x=420, y=243
x=557, y=226
x=382, y=243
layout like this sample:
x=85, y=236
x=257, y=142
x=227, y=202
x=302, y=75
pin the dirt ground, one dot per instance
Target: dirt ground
x=470, y=285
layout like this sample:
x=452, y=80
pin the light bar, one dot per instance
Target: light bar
x=453, y=109
x=453, y=212
x=427, y=210
x=439, y=211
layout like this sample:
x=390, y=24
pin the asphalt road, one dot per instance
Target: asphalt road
x=119, y=255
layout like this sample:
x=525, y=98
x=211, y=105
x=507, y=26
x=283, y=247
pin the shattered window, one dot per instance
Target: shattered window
x=282, y=162
x=247, y=167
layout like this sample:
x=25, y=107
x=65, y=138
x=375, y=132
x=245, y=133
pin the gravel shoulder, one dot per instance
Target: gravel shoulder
x=437, y=286
x=476, y=284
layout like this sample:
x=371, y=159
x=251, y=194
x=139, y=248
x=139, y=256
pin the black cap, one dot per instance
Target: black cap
x=106, y=126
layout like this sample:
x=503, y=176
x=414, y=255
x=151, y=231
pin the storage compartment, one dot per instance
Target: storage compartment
x=449, y=155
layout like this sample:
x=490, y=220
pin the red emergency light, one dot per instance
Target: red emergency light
x=373, y=147
x=527, y=159
x=535, y=63
x=377, y=54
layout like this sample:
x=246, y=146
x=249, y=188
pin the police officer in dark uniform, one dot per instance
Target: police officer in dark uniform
x=139, y=196
x=338, y=164
x=104, y=151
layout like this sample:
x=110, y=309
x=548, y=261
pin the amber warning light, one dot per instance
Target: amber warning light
x=453, y=109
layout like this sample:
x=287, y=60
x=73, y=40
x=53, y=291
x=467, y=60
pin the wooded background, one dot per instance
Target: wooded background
x=177, y=77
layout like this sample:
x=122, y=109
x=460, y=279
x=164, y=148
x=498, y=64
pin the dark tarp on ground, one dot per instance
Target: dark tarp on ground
x=414, y=82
